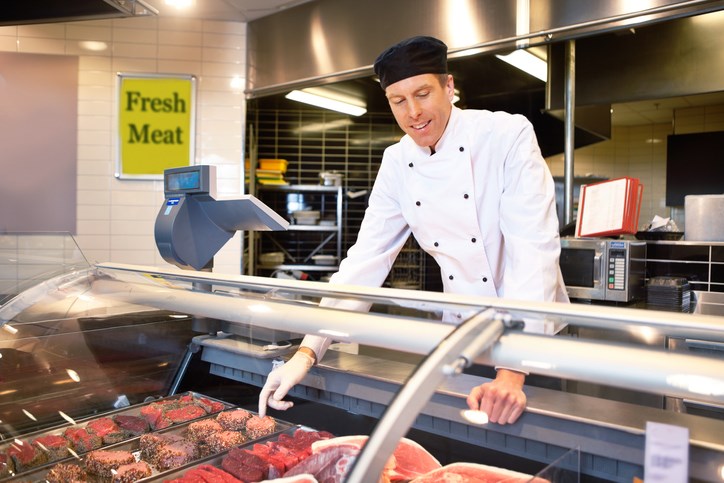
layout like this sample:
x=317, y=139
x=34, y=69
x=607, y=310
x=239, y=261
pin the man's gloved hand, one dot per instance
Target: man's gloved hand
x=281, y=380
x=503, y=399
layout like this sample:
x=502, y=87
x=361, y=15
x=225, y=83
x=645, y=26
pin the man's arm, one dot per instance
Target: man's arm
x=502, y=399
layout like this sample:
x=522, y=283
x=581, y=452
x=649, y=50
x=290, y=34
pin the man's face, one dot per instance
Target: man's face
x=421, y=106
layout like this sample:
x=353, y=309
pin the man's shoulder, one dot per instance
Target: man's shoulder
x=494, y=117
x=501, y=124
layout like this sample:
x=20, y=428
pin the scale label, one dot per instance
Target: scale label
x=170, y=203
x=667, y=453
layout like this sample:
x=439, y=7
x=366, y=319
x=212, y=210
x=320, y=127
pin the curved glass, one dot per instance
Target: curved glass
x=27, y=259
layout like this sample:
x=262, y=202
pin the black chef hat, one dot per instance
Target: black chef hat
x=411, y=57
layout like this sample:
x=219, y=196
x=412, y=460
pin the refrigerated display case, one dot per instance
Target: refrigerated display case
x=109, y=336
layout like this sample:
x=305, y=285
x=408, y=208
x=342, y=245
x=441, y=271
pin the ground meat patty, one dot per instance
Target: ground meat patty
x=223, y=440
x=131, y=472
x=200, y=430
x=102, y=462
x=7, y=467
x=234, y=420
x=173, y=455
x=66, y=473
x=257, y=427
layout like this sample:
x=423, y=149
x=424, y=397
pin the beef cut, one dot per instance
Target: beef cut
x=407, y=461
x=474, y=473
x=330, y=464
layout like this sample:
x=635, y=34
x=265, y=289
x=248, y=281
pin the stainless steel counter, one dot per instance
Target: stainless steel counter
x=610, y=434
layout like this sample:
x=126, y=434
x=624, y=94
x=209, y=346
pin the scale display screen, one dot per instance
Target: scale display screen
x=187, y=180
x=184, y=181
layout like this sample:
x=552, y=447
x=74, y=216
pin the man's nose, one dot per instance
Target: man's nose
x=414, y=109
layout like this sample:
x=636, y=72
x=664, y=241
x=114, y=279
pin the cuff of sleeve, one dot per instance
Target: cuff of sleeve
x=512, y=369
x=309, y=354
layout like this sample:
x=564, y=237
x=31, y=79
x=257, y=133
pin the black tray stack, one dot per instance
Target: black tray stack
x=669, y=293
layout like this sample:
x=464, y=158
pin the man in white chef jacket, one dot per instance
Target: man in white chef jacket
x=473, y=189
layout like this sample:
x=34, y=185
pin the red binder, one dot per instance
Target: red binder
x=609, y=208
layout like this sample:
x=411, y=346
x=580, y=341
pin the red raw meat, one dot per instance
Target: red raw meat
x=304, y=478
x=131, y=425
x=209, y=405
x=407, y=461
x=290, y=456
x=81, y=440
x=411, y=460
x=277, y=466
x=24, y=455
x=243, y=462
x=107, y=429
x=218, y=472
x=474, y=473
x=153, y=413
x=242, y=471
x=186, y=413
x=328, y=464
x=56, y=447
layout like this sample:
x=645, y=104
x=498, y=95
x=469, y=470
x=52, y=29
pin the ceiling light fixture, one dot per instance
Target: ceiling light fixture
x=324, y=98
x=527, y=62
x=179, y=3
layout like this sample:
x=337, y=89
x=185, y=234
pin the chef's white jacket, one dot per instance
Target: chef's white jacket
x=483, y=206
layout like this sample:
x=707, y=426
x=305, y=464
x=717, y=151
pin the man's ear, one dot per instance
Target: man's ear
x=450, y=87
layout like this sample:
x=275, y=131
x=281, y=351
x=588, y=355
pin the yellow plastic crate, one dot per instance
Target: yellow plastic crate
x=273, y=164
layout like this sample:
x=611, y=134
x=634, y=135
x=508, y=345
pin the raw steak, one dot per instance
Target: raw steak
x=407, y=461
x=474, y=473
x=295, y=479
x=329, y=464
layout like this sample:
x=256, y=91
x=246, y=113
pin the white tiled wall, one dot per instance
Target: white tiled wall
x=640, y=152
x=116, y=217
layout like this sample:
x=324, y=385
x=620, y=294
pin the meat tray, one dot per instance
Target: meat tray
x=133, y=446
x=58, y=431
x=181, y=473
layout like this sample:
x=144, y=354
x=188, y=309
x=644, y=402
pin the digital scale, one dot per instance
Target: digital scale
x=192, y=226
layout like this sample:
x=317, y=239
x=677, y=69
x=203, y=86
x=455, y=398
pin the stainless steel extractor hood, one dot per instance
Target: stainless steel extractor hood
x=18, y=12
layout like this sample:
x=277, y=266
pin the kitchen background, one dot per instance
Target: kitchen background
x=115, y=217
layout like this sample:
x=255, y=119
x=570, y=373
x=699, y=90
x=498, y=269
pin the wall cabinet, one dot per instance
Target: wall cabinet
x=313, y=242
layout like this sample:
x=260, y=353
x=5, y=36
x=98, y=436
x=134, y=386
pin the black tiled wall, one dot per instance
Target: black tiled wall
x=701, y=264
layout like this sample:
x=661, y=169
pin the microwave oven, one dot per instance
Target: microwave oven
x=604, y=269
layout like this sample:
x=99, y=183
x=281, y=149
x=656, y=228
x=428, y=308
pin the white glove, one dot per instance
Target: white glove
x=281, y=380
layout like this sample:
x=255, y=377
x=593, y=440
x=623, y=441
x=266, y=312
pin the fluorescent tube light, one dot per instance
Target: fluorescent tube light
x=527, y=62
x=328, y=100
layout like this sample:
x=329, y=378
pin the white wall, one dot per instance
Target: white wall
x=116, y=217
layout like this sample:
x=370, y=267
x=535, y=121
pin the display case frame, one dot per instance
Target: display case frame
x=610, y=434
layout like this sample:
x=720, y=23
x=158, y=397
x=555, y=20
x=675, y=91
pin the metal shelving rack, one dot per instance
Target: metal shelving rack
x=301, y=242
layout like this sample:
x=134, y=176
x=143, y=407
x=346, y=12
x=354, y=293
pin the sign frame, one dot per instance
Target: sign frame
x=129, y=162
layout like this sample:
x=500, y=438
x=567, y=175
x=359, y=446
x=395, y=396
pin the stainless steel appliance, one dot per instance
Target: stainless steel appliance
x=603, y=269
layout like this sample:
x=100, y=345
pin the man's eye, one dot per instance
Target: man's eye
x=423, y=94
x=397, y=102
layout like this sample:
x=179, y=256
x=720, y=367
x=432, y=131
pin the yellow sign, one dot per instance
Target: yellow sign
x=155, y=124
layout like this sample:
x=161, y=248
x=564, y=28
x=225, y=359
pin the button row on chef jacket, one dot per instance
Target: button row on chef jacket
x=418, y=203
x=452, y=277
